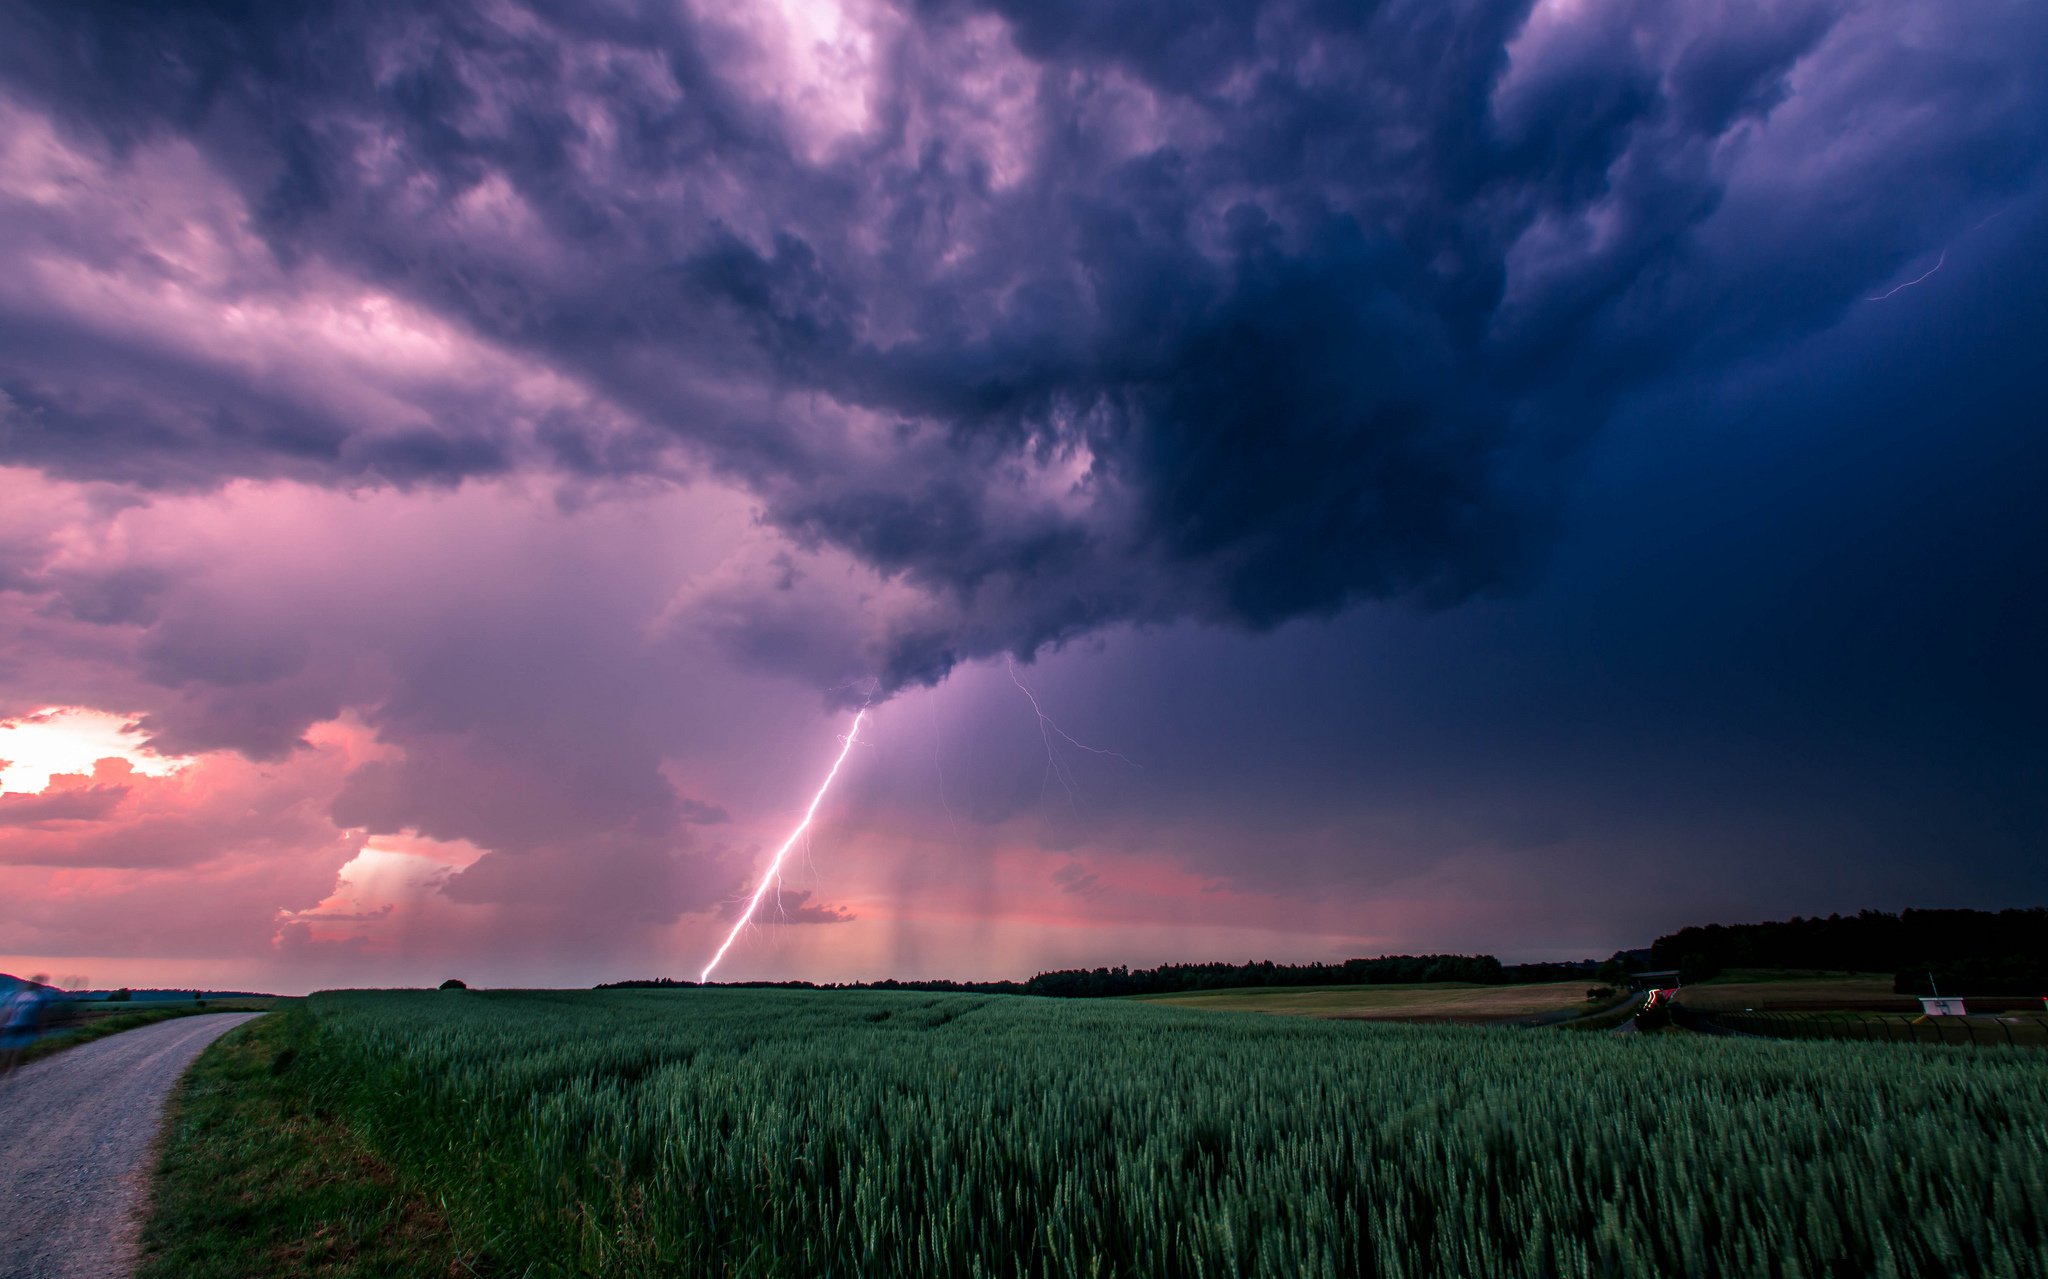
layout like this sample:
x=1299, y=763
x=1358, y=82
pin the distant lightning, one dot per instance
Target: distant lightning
x=1981, y=224
x=774, y=870
x=1916, y=279
x=1054, y=765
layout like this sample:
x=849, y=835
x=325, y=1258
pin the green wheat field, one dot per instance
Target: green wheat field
x=764, y=1133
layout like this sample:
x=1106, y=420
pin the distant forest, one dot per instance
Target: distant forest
x=1085, y=983
x=1967, y=952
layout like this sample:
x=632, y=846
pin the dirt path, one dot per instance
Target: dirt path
x=76, y=1130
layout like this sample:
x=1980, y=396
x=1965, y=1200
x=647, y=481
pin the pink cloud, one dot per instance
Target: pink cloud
x=487, y=670
x=69, y=798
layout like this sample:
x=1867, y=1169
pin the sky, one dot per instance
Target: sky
x=1285, y=480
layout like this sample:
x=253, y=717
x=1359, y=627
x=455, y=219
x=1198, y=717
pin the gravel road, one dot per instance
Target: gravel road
x=76, y=1133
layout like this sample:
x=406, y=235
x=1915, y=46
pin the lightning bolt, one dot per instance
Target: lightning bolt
x=775, y=864
x=1054, y=765
x=1916, y=279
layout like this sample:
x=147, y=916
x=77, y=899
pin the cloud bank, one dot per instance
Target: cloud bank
x=552, y=400
x=1054, y=316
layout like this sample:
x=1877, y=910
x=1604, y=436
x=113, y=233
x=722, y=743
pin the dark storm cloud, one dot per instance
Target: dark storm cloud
x=698, y=813
x=1075, y=878
x=130, y=594
x=1785, y=660
x=791, y=906
x=1236, y=312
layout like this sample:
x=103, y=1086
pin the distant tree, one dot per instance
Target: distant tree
x=454, y=983
x=120, y=996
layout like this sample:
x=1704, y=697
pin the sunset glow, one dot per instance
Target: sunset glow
x=71, y=739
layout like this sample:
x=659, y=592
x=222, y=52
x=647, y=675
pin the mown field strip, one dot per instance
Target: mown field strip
x=1448, y=1001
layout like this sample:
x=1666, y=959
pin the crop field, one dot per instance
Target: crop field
x=843, y=1134
x=1436, y=1001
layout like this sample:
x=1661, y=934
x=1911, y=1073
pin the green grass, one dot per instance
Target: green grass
x=100, y=1022
x=2018, y=1030
x=1765, y=989
x=763, y=1133
x=260, y=1175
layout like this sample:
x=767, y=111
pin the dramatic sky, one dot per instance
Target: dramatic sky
x=1500, y=477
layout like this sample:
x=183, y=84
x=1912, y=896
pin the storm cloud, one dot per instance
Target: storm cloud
x=1056, y=315
x=1464, y=455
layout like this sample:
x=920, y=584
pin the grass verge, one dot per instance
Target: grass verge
x=259, y=1176
x=1612, y=1018
x=102, y=1025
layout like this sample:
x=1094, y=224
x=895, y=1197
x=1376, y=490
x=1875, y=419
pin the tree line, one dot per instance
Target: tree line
x=1168, y=979
x=1965, y=952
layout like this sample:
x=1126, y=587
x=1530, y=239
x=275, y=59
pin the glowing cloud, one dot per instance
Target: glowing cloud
x=71, y=739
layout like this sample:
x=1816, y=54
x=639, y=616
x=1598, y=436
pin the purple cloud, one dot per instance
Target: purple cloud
x=1055, y=318
x=497, y=405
